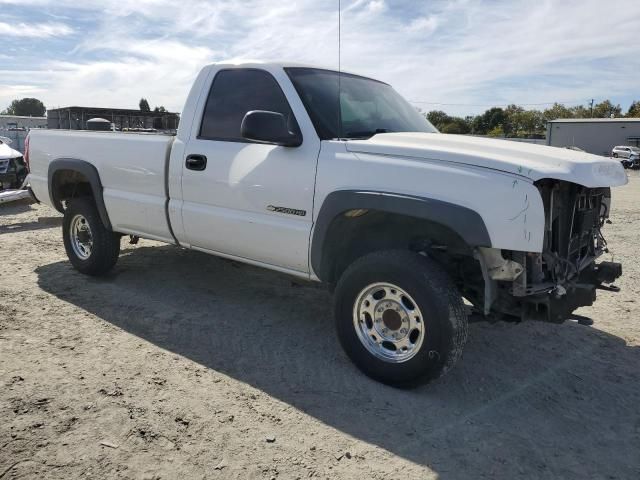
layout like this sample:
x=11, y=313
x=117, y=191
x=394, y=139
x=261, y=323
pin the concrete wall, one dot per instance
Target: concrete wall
x=9, y=121
x=593, y=137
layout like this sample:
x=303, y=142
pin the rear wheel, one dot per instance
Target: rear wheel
x=90, y=246
x=399, y=318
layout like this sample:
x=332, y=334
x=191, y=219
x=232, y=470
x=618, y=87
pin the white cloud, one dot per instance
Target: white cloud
x=376, y=6
x=423, y=24
x=34, y=30
x=161, y=71
x=13, y=91
x=456, y=52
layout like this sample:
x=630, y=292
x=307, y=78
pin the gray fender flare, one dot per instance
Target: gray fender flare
x=465, y=222
x=89, y=172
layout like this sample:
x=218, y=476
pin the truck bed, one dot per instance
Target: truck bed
x=133, y=172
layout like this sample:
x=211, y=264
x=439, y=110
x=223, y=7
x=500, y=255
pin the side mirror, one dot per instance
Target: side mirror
x=269, y=127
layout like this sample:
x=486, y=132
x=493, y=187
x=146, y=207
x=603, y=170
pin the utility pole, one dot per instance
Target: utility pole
x=592, y=108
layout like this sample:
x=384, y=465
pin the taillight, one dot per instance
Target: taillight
x=26, y=153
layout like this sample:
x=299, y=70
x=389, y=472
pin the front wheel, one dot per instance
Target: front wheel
x=90, y=246
x=399, y=318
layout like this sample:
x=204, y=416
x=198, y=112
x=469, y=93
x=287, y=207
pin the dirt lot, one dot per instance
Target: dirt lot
x=182, y=365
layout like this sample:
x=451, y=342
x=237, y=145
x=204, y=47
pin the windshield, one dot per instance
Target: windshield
x=367, y=106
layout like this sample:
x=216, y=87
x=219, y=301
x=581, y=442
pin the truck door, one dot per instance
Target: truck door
x=242, y=198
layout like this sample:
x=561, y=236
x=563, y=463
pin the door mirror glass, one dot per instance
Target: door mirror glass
x=269, y=127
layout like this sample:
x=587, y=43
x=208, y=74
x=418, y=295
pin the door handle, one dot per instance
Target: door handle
x=196, y=162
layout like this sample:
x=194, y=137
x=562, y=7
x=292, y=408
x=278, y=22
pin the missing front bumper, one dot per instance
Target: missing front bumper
x=559, y=303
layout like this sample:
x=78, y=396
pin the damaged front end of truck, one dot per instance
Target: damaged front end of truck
x=551, y=284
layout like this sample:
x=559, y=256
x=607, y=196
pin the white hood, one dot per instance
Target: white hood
x=524, y=159
x=8, y=152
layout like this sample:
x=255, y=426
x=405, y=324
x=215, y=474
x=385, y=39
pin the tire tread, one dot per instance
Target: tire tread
x=106, y=244
x=435, y=278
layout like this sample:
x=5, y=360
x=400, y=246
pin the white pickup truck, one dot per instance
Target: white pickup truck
x=402, y=222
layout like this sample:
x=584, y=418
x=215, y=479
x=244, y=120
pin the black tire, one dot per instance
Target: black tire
x=106, y=244
x=615, y=155
x=446, y=325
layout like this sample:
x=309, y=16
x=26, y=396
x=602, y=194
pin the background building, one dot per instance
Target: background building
x=594, y=135
x=75, y=118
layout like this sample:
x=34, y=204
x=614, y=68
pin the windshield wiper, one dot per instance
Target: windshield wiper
x=367, y=133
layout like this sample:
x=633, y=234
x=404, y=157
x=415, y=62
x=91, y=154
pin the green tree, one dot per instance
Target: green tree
x=557, y=111
x=144, y=105
x=606, y=109
x=512, y=120
x=488, y=121
x=634, y=110
x=438, y=118
x=28, y=107
x=456, y=125
x=496, y=131
x=527, y=123
x=448, y=124
x=580, y=111
x=160, y=109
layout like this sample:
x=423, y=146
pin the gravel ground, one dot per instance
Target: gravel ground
x=184, y=365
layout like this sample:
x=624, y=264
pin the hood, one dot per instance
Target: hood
x=534, y=162
x=7, y=152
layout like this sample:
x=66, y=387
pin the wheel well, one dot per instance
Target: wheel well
x=356, y=233
x=67, y=184
x=70, y=178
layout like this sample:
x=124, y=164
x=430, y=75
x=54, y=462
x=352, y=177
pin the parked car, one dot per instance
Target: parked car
x=630, y=156
x=13, y=169
x=400, y=221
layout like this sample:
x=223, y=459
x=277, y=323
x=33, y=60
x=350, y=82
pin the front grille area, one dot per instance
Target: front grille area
x=574, y=217
x=565, y=275
x=586, y=240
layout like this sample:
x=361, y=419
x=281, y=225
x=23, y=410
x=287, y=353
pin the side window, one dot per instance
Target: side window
x=233, y=94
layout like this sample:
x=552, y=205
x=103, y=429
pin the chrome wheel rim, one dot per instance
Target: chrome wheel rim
x=388, y=322
x=81, y=237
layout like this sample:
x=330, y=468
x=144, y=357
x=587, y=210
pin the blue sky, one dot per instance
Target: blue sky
x=461, y=56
